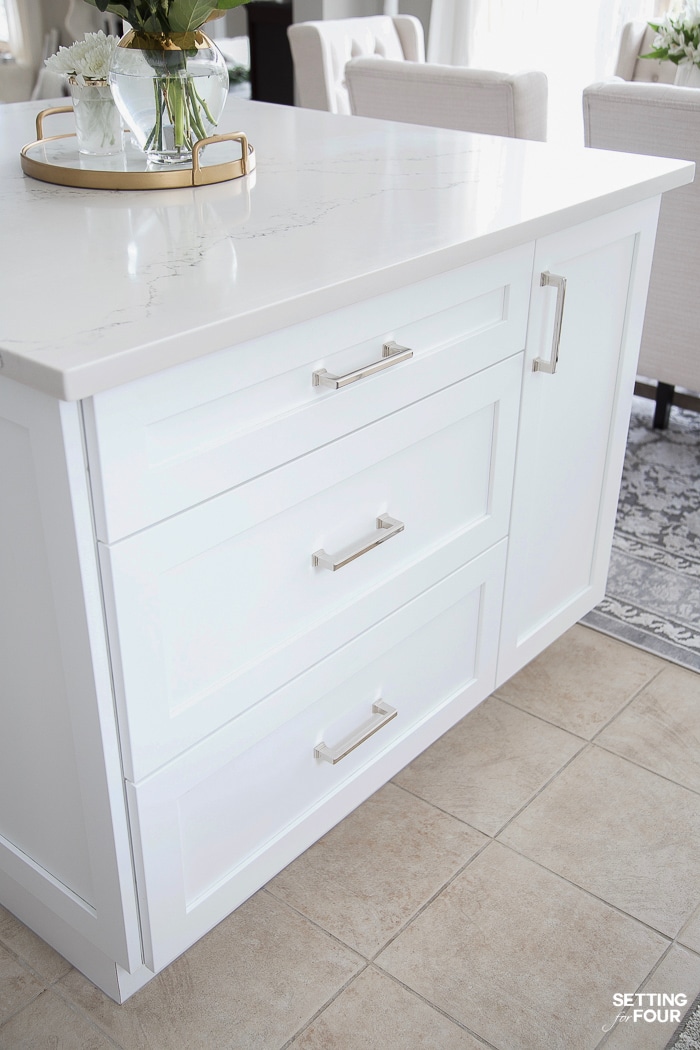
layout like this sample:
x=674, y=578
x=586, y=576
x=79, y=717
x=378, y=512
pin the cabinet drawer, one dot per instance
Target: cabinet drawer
x=169, y=441
x=221, y=820
x=213, y=609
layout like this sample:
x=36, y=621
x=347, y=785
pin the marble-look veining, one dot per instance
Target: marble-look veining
x=107, y=286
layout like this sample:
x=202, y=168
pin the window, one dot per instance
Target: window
x=4, y=29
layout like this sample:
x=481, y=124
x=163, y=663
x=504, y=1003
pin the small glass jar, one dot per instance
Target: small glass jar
x=98, y=123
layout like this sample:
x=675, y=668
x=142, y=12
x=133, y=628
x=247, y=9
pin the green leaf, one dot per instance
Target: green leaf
x=115, y=8
x=184, y=16
x=163, y=16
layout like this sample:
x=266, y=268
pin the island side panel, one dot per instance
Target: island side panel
x=63, y=831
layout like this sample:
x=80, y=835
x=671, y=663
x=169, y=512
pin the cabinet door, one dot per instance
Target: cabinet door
x=573, y=426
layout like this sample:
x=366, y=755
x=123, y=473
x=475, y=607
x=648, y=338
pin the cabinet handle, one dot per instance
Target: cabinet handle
x=384, y=714
x=392, y=528
x=539, y=364
x=392, y=354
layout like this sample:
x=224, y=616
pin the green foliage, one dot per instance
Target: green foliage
x=238, y=74
x=677, y=37
x=165, y=16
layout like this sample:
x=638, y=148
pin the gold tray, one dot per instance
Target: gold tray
x=56, y=158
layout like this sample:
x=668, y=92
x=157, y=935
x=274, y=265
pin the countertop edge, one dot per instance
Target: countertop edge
x=83, y=381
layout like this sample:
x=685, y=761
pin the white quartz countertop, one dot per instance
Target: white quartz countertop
x=100, y=287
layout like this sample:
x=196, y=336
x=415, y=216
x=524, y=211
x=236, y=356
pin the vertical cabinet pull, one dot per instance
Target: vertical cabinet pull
x=383, y=714
x=392, y=354
x=540, y=364
x=390, y=527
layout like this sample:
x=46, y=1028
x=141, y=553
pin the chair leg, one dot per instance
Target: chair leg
x=664, y=400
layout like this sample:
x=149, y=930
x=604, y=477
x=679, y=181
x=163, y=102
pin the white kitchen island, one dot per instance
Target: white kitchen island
x=244, y=576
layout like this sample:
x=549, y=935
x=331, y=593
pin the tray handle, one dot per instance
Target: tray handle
x=230, y=136
x=47, y=113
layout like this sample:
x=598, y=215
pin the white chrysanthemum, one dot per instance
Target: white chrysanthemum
x=88, y=58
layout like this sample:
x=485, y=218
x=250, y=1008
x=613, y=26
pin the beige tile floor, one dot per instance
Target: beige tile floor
x=540, y=858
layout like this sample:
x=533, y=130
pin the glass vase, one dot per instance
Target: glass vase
x=687, y=75
x=98, y=124
x=170, y=90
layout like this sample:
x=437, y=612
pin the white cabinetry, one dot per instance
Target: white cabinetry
x=573, y=428
x=202, y=657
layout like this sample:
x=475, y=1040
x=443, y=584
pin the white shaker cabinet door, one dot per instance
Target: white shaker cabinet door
x=573, y=424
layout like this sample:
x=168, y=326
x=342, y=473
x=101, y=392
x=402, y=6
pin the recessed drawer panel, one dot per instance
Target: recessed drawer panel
x=218, y=822
x=169, y=441
x=213, y=609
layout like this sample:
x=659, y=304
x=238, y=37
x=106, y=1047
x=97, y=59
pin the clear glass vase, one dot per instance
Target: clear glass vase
x=98, y=124
x=687, y=75
x=170, y=90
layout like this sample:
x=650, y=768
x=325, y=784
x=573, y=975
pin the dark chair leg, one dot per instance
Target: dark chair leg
x=664, y=400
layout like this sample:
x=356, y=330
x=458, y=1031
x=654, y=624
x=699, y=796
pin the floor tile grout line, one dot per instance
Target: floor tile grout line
x=625, y=707
x=439, y=1009
x=371, y=958
x=674, y=944
x=555, y=776
x=75, y=1009
x=565, y=729
x=15, y=1013
x=439, y=809
x=493, y=835
x=325, y=1006
x=608, y=1035
x=640, y=765
x=431, y=900
x=540, y=718
x=24, y=962
x=590, y=893
x=695, y=913
x=315, y=923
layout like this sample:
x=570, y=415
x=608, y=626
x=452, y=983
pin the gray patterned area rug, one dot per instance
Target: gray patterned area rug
x=652, y=598
x=687, y=1035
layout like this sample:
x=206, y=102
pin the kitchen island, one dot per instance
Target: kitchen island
x=296, y=469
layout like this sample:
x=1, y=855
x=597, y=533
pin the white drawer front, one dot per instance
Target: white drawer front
x=221, y=820
x=219, y=606
x=167, y=442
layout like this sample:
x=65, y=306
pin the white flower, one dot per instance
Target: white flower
x=690, y=16
x=87, y=59
x=678, y=35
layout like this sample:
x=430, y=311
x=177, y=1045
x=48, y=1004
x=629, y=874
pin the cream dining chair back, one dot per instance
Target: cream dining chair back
x=480, y=100
x=663, y=121
x=321, y=50
x=637, y=39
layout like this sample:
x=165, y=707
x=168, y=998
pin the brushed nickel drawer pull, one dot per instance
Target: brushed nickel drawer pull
x=390, y=526
x=540, y=364
x=392, y=354
x=384, y=714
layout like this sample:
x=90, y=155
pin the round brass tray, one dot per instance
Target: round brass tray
x=56, y=158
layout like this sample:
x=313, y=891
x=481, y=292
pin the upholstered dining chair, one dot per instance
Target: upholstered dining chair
x=321, y=50
x=481, y=100
x=637, y=38
x=664, y=121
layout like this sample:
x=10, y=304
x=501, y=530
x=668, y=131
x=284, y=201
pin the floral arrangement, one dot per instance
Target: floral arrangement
x=677, y=37
x=86, y=64
x=86, y=60
x=166, y=16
